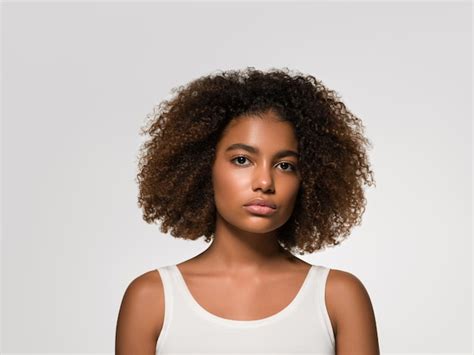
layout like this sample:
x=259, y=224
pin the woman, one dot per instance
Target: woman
x=264, y=165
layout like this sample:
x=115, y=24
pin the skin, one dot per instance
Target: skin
x=245, y=259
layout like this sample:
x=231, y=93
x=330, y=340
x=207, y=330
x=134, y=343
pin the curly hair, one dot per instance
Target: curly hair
x=175, y=163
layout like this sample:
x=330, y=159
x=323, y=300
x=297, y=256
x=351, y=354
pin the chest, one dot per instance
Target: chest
x=244, y=298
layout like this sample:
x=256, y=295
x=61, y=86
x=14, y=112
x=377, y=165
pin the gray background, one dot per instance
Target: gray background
x=79, y=79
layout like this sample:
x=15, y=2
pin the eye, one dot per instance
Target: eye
x=285, y=166
x=240, y=158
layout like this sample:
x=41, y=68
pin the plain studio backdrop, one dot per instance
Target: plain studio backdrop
x=79, y=79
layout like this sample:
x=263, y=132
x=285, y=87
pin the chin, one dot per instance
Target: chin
x=253, y=223
x=261, y=226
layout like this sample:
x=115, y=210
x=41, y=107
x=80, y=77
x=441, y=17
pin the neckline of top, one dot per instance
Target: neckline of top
x=242, y=323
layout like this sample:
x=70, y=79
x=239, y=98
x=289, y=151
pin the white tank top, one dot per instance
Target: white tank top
x=302, y=327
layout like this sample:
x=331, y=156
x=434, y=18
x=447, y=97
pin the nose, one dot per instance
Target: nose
x=263, y=179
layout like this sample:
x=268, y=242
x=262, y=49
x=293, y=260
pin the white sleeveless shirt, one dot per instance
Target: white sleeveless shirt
x=302, y=327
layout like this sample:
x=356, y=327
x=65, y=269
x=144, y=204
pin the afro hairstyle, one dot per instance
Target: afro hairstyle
x=175, y=162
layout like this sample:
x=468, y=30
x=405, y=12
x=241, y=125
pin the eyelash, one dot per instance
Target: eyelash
x=293, y=167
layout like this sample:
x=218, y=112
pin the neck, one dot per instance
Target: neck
x=236, y=250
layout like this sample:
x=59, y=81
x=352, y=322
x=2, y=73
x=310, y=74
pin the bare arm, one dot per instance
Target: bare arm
x=141, y=316
x=355, y=324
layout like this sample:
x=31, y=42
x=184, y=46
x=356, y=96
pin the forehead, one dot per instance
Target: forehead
x=266, y=131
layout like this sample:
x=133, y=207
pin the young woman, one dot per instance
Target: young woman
x=264, y=165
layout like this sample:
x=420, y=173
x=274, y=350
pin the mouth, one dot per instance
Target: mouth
x=260, y=210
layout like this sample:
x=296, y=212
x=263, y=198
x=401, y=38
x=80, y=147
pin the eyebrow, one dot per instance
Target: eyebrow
x=249, y=148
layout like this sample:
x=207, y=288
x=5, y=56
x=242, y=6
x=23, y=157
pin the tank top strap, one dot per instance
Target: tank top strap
x=169, y=292
x=321, y=275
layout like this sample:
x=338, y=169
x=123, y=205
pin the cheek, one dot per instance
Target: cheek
x=228, y=183
x=295, y=189
x=291, y=192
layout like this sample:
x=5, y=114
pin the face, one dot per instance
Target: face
x=256, y=158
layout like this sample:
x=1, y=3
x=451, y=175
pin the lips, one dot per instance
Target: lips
x=260, y=210
x=261, y=202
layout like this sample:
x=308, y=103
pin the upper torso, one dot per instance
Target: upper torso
x=282, y=312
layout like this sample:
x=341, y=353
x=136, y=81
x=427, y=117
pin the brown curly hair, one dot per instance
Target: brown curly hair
x=175, y=163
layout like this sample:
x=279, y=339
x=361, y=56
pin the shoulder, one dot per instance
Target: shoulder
x=341, y=282
x=142, y=311
x=145, y=293
x=350, y=308
x=146, y=283
x=344, y=293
